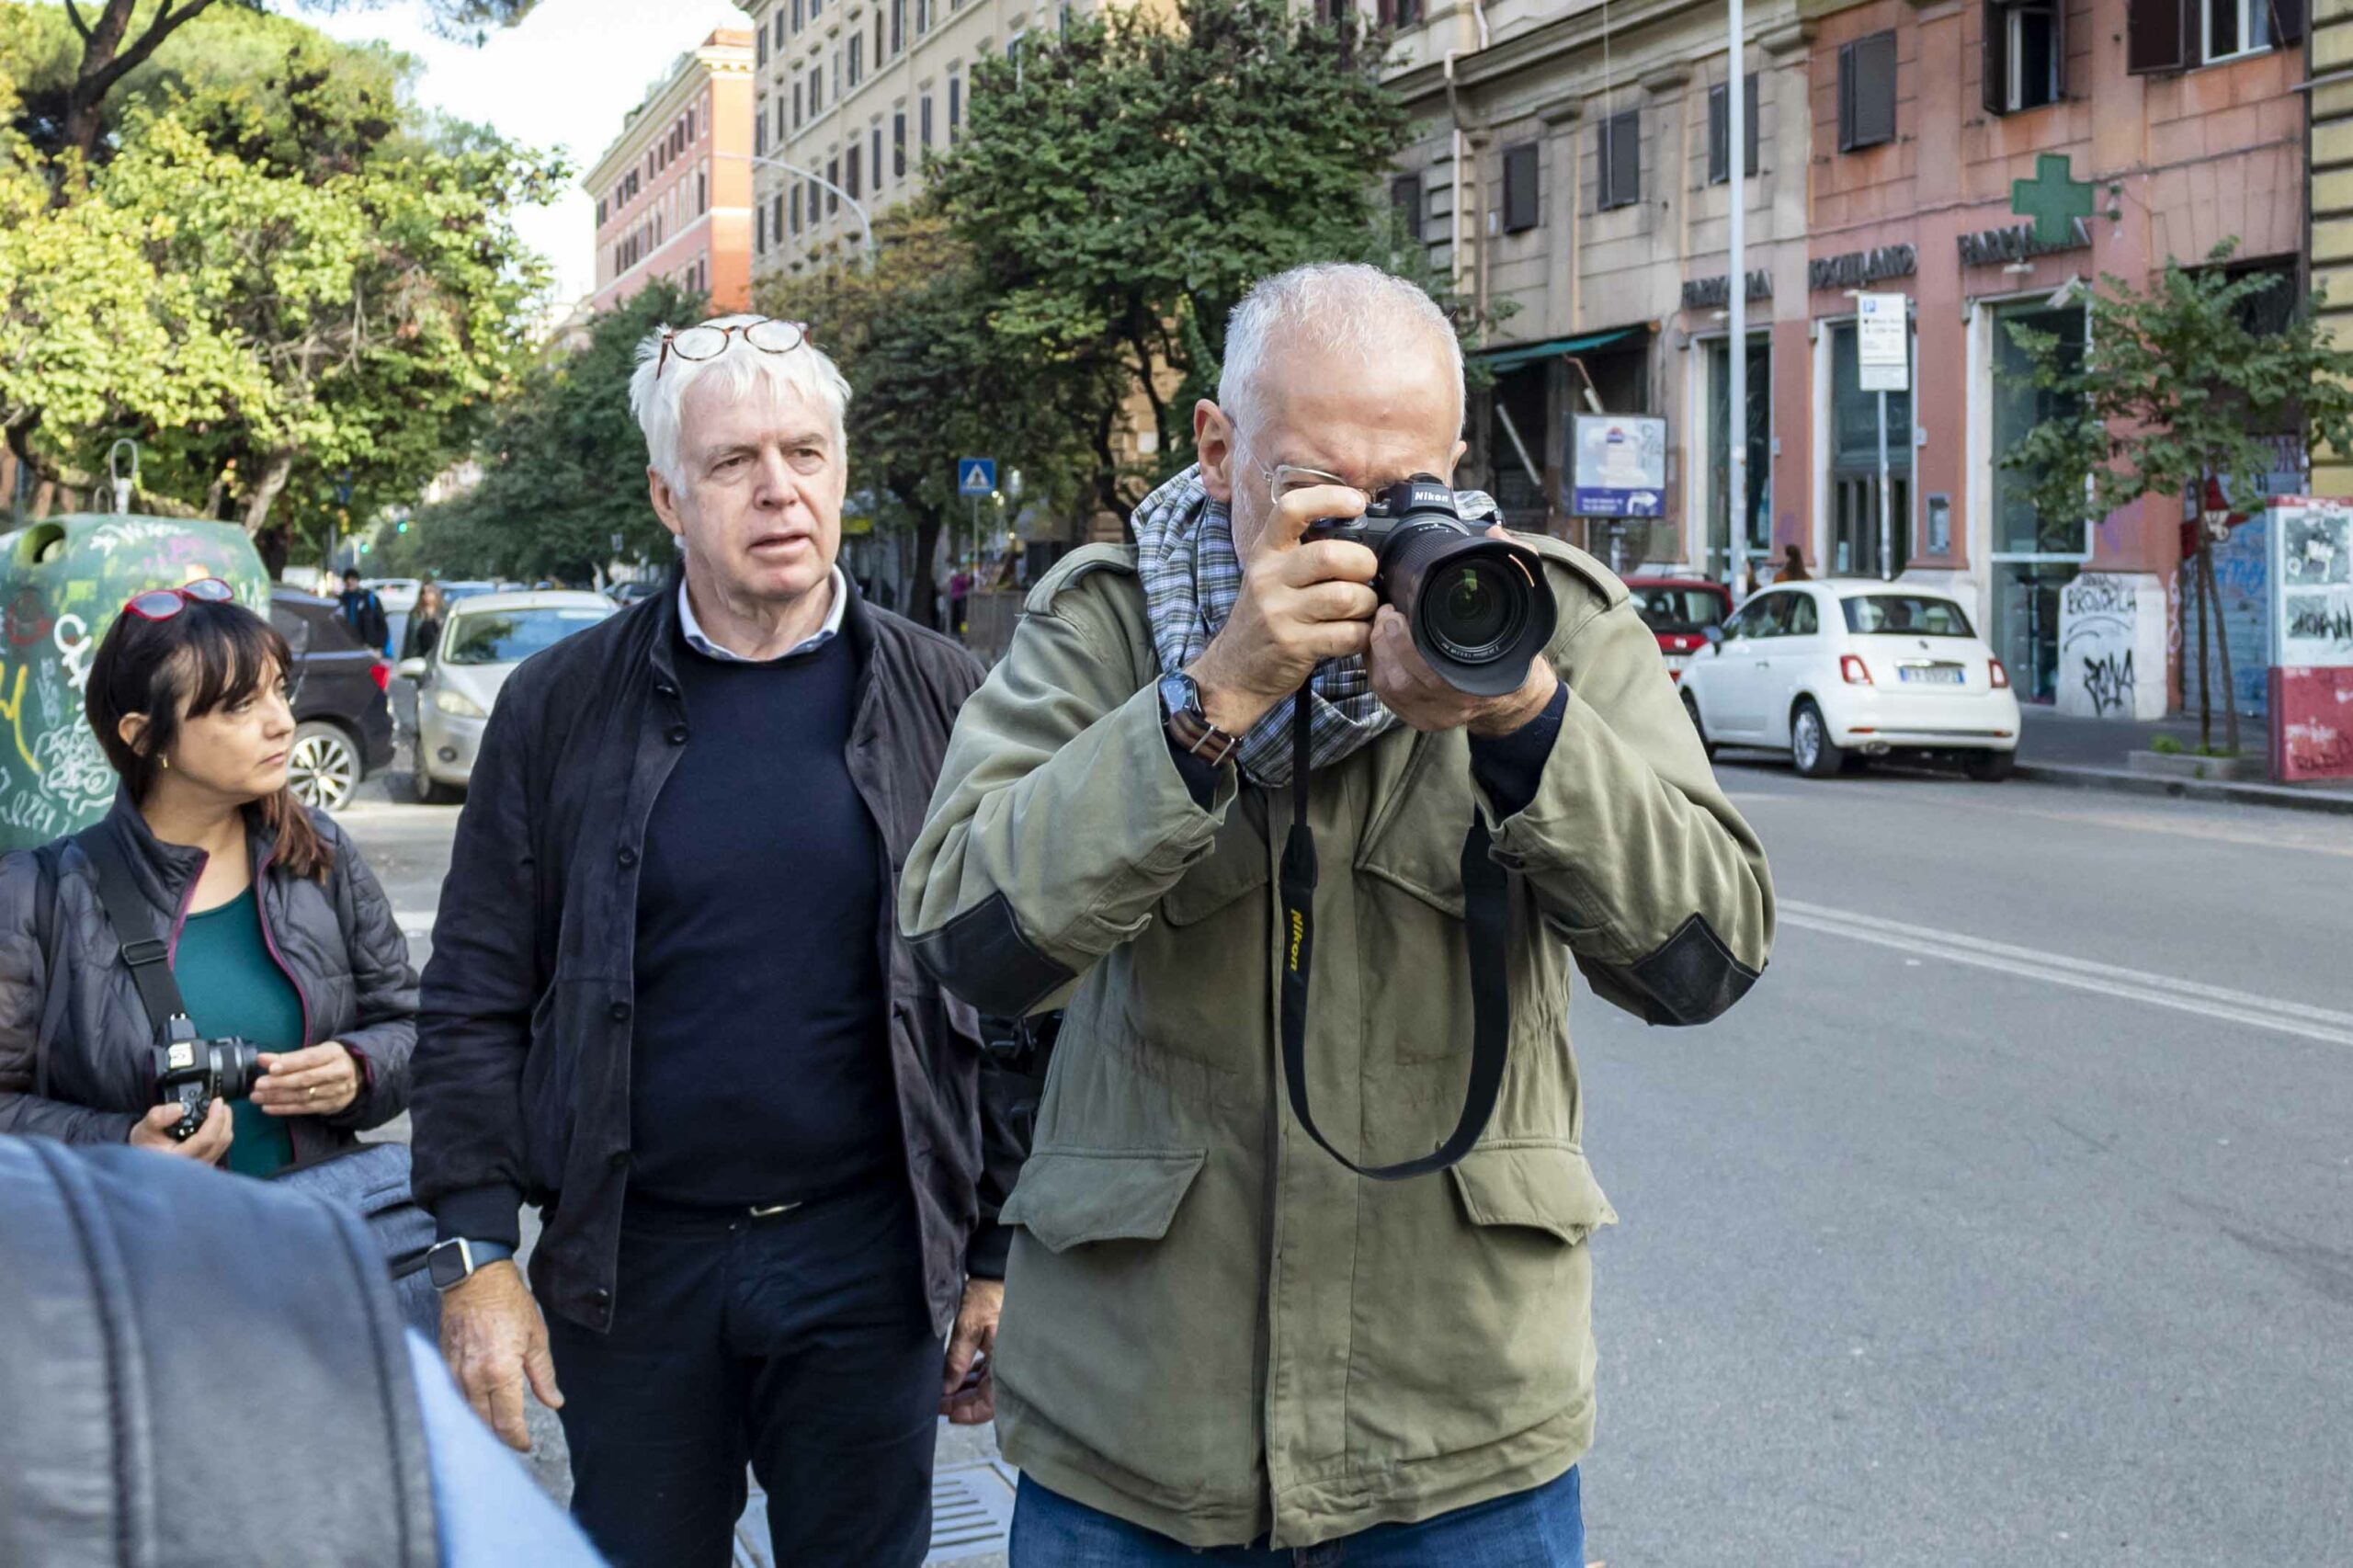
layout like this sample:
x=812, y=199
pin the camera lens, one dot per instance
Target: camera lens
x=1472, y=610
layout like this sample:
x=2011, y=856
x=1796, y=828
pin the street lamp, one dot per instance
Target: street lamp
x=864, y=223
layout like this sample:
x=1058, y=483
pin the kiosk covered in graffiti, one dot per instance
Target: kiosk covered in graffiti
x=62, y=581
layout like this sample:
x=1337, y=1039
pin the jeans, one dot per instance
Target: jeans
x=800, y=1343
x=1542, y=1527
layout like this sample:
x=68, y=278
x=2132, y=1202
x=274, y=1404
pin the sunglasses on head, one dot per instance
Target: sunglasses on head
x=162, y=603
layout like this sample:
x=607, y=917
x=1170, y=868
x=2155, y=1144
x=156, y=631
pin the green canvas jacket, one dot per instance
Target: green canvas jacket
x=1211, y=1329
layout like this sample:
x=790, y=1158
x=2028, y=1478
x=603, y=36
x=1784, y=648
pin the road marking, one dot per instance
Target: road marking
x=2107, y=980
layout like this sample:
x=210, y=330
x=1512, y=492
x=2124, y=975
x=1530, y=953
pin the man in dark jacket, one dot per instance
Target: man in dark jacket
x=668, y=1004
x=364, y=613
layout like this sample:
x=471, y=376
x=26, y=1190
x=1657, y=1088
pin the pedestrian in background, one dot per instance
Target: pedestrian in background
x=363, y=612
x=424, y=623
x=279, y=934
x=1792, y=566
x=668, y=1003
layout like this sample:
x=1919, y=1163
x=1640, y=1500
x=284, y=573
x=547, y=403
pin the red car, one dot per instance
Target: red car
x=1679, y=610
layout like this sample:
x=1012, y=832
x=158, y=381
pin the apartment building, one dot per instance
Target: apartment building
x=673, y=191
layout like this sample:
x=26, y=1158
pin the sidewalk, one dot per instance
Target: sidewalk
x=2094, y=754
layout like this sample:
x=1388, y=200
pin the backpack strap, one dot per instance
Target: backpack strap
x=45, y=859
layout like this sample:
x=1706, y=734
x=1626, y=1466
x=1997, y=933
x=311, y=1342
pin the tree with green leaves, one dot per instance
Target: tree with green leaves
x=117, y=37
x=294, y=290
x=563, y=463
x=2171, y=395
x=1122, y=184
x=933, y=381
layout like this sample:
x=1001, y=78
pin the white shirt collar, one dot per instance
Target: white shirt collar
x=702, y=645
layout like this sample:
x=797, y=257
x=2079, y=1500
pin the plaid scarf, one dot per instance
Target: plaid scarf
x=1192, y=577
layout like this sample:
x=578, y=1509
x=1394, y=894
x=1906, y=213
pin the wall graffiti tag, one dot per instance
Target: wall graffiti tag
x=2100, y=634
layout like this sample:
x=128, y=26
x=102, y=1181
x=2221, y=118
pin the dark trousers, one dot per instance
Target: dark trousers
x=799, y=1343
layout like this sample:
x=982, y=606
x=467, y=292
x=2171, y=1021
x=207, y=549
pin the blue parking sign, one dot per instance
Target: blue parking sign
x=976, y=476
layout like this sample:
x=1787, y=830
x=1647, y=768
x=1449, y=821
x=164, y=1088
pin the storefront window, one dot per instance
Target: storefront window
x=2034, y=557
x=1721, y=564
x=1854, y=467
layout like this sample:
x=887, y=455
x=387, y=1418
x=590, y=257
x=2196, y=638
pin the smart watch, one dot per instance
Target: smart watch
x=452, y=1263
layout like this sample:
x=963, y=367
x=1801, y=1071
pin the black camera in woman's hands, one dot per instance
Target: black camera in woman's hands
x=1479, y=608
x=192, y=1073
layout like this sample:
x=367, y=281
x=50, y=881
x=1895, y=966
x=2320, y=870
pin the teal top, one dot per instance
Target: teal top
x=233, y=986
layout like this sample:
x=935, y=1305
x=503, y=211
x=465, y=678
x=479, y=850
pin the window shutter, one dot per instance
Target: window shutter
x=2059, y=49
x=1519, y=187
x=1623, y=153
x=1405, y=196
x=2287, y=22
x=1875, y=89
x=1846, y=97
x=1748, y=154
x=1993, y=60
x=2156, y=36
x=1718, y=137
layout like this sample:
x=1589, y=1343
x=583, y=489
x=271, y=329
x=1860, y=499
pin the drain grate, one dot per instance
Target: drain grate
x=971, y=1510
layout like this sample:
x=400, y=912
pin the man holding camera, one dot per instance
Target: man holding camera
x=1218, y=1334
x=668, y=1004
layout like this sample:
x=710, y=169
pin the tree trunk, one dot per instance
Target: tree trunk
x=266, y=490
x=2223, y=645
x=104, y=61
x=2205, y=701
x=922, y=589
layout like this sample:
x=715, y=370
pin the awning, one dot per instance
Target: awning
x=1528, y=354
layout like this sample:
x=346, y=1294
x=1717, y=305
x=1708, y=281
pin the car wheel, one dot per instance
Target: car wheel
x=1691, y=707
x=1991, y=766
x=425, y=789
x=323, y=766
x=1817, y=756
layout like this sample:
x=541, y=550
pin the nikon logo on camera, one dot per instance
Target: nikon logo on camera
x=1297, y=931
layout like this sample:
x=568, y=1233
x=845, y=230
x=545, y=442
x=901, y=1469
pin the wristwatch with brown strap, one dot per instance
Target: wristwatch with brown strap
x=1181, y=715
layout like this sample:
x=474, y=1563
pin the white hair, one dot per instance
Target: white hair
x=1342, y=308
x=658, y=388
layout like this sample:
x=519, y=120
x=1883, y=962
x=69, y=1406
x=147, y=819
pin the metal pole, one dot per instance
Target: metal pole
x=1736, y=285
x=1886, y=524
x=865, y=224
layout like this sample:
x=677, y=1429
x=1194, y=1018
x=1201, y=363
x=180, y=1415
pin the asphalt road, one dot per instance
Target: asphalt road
x=2009, y=1221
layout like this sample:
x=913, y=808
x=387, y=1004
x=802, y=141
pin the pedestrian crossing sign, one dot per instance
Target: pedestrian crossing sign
x=976, y=476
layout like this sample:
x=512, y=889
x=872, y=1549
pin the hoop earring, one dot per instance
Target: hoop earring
x=165, y=763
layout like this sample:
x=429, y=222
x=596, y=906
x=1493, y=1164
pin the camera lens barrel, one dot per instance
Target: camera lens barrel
x=236, y=1068
x=1479, y=608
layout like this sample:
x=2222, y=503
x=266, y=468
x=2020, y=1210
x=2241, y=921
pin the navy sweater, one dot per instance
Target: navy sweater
x=760, y=1064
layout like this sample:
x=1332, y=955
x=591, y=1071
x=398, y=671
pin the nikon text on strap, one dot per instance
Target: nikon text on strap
x=1487, y=919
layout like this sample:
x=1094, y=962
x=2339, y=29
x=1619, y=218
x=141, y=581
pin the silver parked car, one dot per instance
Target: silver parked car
x=485, y=637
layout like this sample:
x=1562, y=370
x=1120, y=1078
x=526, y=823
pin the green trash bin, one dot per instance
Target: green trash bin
x=62, y=581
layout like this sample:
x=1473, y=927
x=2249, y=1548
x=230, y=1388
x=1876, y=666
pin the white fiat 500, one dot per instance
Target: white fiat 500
x=1836, y=672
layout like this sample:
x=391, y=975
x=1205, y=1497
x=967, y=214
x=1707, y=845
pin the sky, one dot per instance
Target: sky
x=563, y=79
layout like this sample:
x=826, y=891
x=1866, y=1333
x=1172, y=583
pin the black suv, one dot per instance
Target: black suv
x=343, y=718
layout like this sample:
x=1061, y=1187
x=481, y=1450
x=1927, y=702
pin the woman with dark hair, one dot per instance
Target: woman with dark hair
x=277, y=932
x=424, y=623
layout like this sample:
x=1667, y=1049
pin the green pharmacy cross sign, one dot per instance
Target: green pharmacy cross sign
x=2052, y=198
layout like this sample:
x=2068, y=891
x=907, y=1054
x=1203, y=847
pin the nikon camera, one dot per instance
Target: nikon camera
x=191, y=1073
x=1479, y=608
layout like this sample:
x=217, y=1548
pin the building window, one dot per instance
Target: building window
x=779, y=120
x=1622, y=159
x=898, y=26
x=875, y=164
x=1398, y=14
x=702, y=193
x=851, y=184
x=600, y=214
x=1759, y=501
x=796, y=106
x=760, y=134
x=816, y=90
x=794, y=210
x=761, y=231
x=955, y=103
x=922, y=18
x=898, y=145
x=834, y=178
x=776, y=220
x=1719, y=128
x=834, y=87
x=2025, y=58
x=1405, y=200
x=1013, y=45
x=796, y=17
x=1854, y=467
x=2233, y=28
x=878, y=55
x=761, y=52
x=1867, y=92
x=1519, y=187
x=857, y=58
x=923, y=116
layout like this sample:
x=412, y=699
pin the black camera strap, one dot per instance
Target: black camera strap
x=132, y=918
x=1486, y=918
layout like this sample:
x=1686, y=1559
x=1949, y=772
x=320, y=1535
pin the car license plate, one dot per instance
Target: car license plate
x=1930, y=675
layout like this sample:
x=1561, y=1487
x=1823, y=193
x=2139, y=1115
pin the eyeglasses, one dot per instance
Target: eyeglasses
x=698, y=343
x=1284, y=478
x=162, y=603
